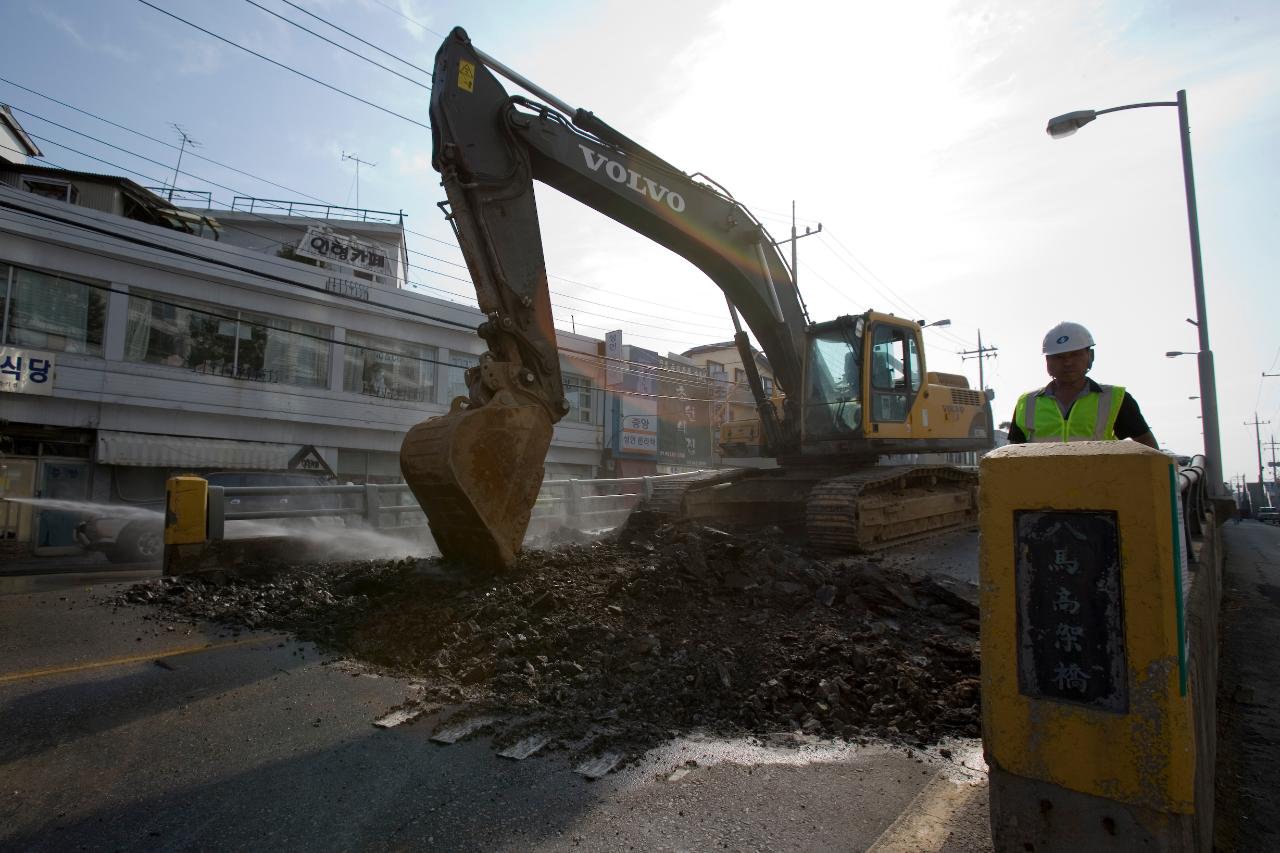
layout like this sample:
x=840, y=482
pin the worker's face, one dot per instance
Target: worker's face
x=1069, y=367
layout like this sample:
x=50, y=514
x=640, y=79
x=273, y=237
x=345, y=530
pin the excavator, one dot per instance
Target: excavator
x=853, y=390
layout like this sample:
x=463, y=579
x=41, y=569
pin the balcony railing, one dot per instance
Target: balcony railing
x=311, y=210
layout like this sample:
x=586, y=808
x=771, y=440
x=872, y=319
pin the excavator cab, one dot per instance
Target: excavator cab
x=833, y=398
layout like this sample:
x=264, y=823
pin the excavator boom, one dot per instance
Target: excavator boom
x=476, y=470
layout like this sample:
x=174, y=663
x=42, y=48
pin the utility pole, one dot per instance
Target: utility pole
x=795, y=269
x=1257, y=431
x=981, y=354
x=1273, y=444
x=187, y=141
x=356, y=159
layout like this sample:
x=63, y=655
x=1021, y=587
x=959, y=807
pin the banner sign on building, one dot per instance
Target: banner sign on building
x=321, y=243
x=613, y=359
x=638, y=410
x=26, y=371
x=684, y=416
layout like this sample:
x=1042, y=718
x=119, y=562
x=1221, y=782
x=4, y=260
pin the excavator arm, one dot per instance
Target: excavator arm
x=476, y=471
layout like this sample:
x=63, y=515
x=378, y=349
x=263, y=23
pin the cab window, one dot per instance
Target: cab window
x=833, y=404
x=895, y=372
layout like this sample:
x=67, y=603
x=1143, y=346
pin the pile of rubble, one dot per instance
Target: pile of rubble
x=620, y=644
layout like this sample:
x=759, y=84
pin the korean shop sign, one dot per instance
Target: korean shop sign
x=25, y=371
x=324, y=245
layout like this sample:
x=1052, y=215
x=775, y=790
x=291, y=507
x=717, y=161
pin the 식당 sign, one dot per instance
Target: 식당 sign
x=24, y=371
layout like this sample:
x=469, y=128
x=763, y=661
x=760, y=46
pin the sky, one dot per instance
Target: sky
x=912, y=132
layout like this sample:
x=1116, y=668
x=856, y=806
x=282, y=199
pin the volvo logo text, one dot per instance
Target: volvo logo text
x=632, y=179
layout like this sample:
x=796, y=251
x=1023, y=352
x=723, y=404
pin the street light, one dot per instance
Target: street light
x=925, y=325
x=1069, y=123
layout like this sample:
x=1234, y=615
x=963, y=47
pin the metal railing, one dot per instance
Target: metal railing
x=1195, y=498
x=591, y=504
x=311, y=210
x=173, y=194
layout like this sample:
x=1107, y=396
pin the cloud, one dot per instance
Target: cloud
x=415, y=162
x=68, y=28
x=198, y=56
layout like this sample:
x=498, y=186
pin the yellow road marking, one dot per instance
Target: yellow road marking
x=29, y=674
x=927, y=821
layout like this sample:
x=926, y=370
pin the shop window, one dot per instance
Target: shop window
x=457, y=374
x=577, y=391
x=49, y=312
x=394, y=370
x=226, y=342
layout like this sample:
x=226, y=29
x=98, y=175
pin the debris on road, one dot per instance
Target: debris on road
x=616, y=645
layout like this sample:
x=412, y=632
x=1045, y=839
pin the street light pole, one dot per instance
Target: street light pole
x=1204, y=359
x=1065, y=125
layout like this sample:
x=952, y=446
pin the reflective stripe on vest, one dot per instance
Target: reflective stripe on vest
x=1092, y=416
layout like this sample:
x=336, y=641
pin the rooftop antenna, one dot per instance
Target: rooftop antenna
x=356, y=159
x=187, y=141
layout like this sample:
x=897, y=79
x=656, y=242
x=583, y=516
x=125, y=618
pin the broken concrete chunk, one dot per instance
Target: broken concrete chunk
x=457, y=731
x=523, y=749
x=601, y=765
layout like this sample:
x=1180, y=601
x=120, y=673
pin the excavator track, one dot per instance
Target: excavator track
x=668, y=495
x=881, y=507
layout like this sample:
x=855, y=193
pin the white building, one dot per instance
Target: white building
x=139, y=339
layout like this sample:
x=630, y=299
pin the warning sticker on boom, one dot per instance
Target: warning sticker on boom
x=466, y=75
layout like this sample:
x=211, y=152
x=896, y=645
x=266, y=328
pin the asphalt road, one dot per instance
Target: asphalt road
x=1247, y=813
x=122, y=733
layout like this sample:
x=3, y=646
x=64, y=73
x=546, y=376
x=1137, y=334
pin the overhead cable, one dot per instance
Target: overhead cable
x=339, y=46
x=289, y=68
x=357, y=38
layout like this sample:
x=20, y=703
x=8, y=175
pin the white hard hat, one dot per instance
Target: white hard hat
x=1066, y=337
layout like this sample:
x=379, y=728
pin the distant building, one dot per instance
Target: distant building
x=15, y=145
x=724, y=367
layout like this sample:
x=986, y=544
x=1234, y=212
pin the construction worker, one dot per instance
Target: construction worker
x=1073, y=407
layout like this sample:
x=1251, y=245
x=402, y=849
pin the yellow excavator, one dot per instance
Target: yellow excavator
x=854, y=389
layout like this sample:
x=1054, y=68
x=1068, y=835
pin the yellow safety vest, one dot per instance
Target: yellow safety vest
x=1092, y=417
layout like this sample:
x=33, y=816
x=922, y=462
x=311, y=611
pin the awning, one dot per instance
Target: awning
x=173, y=451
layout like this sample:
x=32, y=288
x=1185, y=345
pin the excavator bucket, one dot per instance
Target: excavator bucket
x=476, y=474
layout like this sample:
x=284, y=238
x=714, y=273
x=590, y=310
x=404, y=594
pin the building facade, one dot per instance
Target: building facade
x=138, y=339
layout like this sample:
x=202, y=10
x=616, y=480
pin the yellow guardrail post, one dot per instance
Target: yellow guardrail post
x=186, y=510
x=1088, y=719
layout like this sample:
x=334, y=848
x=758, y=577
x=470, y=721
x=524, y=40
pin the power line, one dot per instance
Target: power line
x=469, y=298
x=165, y=250
x=339, y=46
x=151, y=138
x=888, y=292
x=289, y=68
x=357, y=38
x=286, y=264
x=407, y=18
x=273, y=183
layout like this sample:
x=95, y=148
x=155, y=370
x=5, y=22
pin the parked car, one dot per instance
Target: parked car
x=134, y=533
x=1269, y=514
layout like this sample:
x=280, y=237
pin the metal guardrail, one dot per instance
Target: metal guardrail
x=384, y=506
x=172, y=194
x=1195, y=499
x=250, y=204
